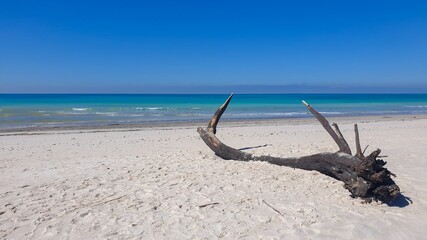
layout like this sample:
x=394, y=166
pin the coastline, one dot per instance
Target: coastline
x=62, y=111
x=162, y=182
x=202, y=123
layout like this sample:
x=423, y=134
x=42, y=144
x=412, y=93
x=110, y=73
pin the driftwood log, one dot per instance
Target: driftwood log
x=365, y=177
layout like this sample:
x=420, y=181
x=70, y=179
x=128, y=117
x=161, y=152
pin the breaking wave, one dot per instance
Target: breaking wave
x=81, y=109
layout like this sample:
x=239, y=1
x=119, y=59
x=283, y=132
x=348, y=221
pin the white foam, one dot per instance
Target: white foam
x=111, y=114
x=271, y=114
x=332, y=113
x=149, y=108
x=81, y=109
x=417, y=106
x=74, y=112
x=286, y=114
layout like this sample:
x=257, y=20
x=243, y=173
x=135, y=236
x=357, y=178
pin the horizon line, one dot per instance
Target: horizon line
x=222, y=93
x=301, y=88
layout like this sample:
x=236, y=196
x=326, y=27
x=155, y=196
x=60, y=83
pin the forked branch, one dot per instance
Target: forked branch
x=337, y=136
x=364, y=177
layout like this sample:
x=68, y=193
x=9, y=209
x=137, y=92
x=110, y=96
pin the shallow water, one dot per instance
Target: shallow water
x=42, y=110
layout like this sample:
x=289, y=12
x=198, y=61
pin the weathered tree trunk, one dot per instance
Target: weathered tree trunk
x=364, y=177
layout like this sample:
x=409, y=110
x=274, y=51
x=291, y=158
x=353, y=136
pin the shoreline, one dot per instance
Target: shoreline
x=202, y=123
x=74, y=112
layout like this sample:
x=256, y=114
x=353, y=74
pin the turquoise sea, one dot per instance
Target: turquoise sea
x=43, y=110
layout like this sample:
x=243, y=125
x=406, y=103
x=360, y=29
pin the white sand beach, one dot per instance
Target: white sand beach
x=163, y=182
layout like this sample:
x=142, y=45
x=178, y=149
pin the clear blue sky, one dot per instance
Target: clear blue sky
x=213, y=46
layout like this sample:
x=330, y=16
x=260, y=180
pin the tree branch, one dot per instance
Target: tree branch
x=359, y=153
x=342, y=146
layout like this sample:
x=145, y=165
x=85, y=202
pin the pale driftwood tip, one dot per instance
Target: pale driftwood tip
x=305, y=103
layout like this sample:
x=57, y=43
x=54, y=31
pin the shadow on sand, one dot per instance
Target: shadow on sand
x=401, y=201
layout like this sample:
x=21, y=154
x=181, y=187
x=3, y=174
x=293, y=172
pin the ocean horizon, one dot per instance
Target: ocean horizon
x=69, y=110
